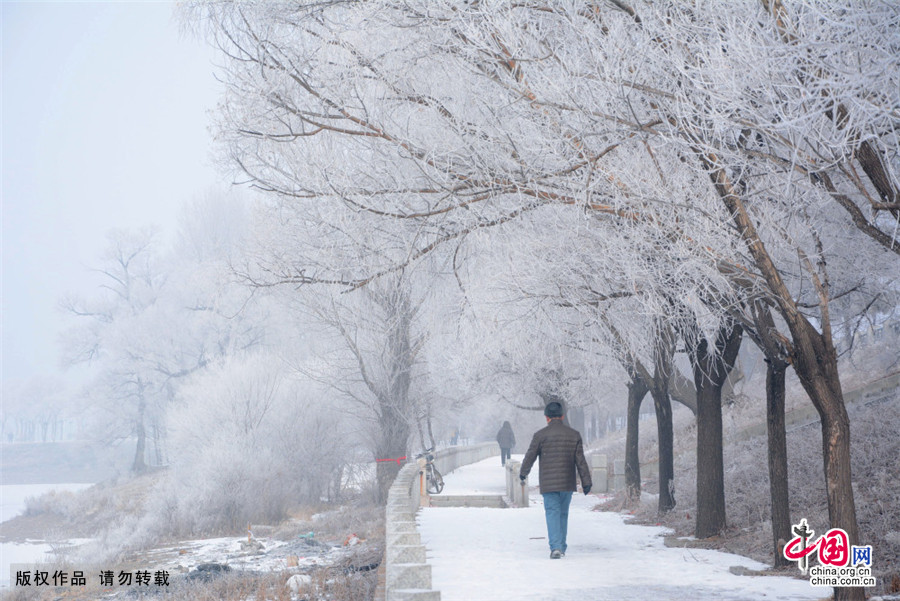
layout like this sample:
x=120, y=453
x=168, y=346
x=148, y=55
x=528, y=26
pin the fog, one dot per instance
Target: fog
x=105, y=125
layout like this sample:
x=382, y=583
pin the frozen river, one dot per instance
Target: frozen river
x=12, y=503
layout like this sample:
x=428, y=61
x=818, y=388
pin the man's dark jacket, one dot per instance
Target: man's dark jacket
x=561, y=452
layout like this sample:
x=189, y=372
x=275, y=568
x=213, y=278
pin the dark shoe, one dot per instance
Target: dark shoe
x=555, y=554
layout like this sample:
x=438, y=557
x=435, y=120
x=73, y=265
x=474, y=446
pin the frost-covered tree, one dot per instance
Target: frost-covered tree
x=770, y=154
x=747, y=143
x=448, y=176
x=250, y=441
x=127, y=388
x=372, y=363
x=157, y=318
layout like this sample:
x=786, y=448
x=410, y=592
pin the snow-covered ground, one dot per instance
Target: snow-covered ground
x=502, y=554
x=268, y=555
x=12, y=503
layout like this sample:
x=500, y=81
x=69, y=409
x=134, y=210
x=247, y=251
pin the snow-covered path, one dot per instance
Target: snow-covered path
x=480, y=554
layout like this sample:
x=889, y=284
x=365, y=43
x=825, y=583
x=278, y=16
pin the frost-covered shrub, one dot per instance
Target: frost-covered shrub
x=876, y=482
x=248, y=442
x=60, y=502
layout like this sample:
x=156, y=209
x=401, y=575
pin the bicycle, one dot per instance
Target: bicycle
x=434, y=482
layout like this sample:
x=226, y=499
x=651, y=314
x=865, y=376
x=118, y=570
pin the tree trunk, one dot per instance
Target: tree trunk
x=139, y=466
x=815, y=363
x=710, y=465
x=158, y=441
x=430, y=429
x=603, y=424
x=637, y=390
x=393, y=435
x=711, y=367
x=765, y=335
x=395, y=411
x=778, y=468
x=659, y=389
x=421, y=434
x=664, y=429
x=576, y=419
x=336, y=485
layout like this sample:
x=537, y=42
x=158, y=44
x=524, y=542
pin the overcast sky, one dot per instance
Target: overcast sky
x=104, y=124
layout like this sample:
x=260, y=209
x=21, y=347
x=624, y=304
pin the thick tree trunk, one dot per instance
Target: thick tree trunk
x=815, y=363
x=710, y=465
x=637, y=390
x=711, y=367
x=664, y=429
x=421, y=434
x=157, y=446
x=390, y=449
x=336, y=485
x=659, y=389
x=778, y=474
x=765, y=335
x=139, y=466
x=395, y=411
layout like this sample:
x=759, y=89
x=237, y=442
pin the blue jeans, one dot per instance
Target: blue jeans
x=556, y=510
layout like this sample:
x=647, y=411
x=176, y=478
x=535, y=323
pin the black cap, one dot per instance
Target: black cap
x=553, y=409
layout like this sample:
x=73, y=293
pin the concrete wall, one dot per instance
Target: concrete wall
x=407, y=573
x=599, y=477
x=447, y=460
x=516, y=492
x=609, y=476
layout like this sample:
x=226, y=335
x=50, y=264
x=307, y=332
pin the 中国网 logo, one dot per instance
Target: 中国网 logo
x=840, y=563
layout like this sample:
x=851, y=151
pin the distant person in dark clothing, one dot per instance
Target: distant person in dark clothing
x=507, y=440
x=562, y=453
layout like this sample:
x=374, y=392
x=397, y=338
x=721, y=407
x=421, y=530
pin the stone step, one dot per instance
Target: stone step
x=407, y=576
x=468, y=501
x=412, y=594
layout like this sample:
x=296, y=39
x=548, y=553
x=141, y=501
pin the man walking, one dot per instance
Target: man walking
x=506, y=438
x=561, y=452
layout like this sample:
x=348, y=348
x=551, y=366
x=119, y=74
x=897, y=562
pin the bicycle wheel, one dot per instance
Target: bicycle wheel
x=435, y=481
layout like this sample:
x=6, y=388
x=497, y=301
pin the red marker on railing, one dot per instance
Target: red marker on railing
x=397, y=459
